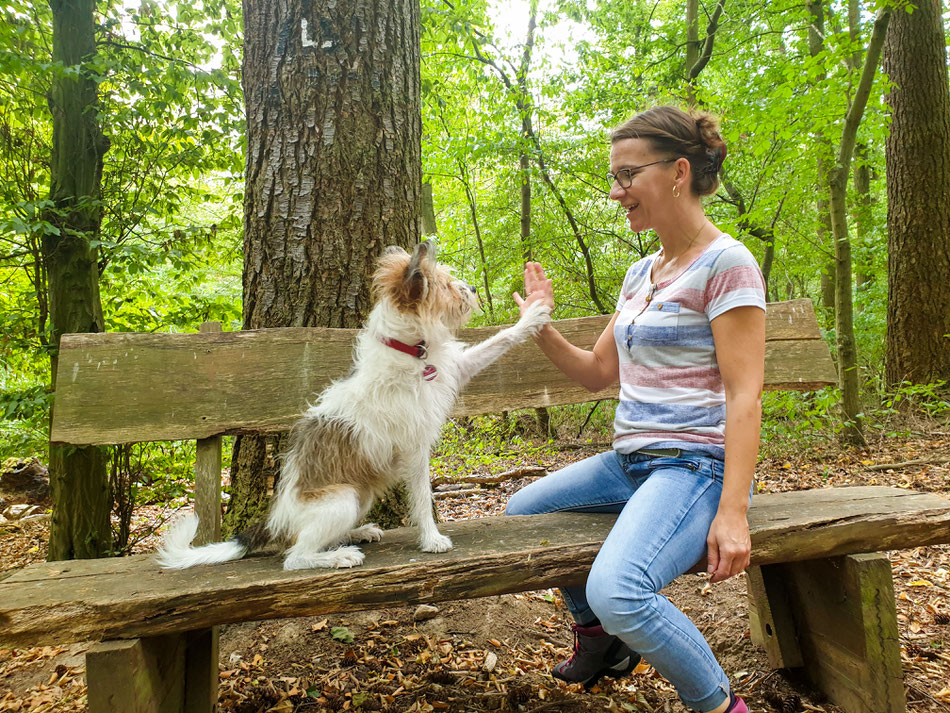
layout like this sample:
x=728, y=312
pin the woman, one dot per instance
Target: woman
x=688, y=343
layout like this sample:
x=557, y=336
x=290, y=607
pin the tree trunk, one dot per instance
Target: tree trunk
x=334, y=173
x=844, y=308
x=863, y=206
x=692, y=47
x=862, y=169
x=917, y=156
x=816, y=35
x=80, y=526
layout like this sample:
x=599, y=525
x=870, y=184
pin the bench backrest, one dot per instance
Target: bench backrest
x=125, y=388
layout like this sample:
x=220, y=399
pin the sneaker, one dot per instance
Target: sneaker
x=596, y=654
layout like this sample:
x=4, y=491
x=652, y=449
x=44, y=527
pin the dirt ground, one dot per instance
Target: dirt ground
x=496, y=653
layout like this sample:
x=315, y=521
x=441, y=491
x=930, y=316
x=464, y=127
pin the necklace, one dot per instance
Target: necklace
x=686, y=250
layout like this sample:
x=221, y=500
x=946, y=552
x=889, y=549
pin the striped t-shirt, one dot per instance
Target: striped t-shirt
x=671, y=393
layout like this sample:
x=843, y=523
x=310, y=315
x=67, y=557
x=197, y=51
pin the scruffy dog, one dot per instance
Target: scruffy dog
x=375, y=427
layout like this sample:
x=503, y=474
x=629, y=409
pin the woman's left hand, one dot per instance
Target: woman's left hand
x=728, y=545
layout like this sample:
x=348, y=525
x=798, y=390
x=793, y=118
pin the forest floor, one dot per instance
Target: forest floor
x=496, y=653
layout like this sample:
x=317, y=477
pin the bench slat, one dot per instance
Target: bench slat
x=58, y=602
x=260, y=380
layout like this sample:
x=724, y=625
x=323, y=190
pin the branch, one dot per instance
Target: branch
x=850, y=132
x=706, y=54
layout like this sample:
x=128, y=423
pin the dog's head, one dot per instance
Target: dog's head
x=418, y=285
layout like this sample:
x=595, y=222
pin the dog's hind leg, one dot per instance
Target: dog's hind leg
x=327, y=522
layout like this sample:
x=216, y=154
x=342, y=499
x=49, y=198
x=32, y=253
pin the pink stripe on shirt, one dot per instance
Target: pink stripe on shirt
x=694, y=377
x=735, y=278
x=655, y=436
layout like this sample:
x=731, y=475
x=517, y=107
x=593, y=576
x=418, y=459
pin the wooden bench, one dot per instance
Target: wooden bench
x=816, y=600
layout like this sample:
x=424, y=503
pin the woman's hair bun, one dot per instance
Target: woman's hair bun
x=708, y=128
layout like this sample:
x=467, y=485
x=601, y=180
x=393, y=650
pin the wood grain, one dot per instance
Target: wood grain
x=57, y=602
x=125, y=388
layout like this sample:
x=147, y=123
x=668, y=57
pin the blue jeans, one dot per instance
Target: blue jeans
x=666, y=506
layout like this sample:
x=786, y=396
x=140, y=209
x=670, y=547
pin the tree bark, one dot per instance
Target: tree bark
x=844, y=307
x=80, y=526
x=334, y=173
x=917, y=156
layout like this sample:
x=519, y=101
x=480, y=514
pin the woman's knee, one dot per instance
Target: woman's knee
x=618, y=599
x=519, y=503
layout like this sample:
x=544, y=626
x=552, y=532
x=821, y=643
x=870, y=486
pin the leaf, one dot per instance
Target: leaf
x=341, y=633
x=920, y=583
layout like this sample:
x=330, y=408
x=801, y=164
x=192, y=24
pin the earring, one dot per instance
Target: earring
x=676, y=191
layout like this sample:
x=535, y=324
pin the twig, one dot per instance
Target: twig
x=442, y=495
x=905, y=464
x=531, y=470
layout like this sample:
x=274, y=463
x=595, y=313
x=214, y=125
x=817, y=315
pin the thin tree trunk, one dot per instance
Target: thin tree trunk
x=862, y=171
x=525, y=110
x=332, y=92
x=917, y=155
x=79, y=482
x=863, y=203
x=816, y=42
x=473, y=209
x=844, y=315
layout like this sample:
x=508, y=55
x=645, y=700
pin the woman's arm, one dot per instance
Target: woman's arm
x=739, y=335
x=595, y=369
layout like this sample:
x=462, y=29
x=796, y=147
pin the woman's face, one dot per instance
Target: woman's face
x=650, y=194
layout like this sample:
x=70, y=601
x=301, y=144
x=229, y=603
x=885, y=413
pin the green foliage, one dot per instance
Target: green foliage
x=801, y=418
x=488, y=444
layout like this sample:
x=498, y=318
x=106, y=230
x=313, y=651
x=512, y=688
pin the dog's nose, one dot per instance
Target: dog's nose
x=472, y=288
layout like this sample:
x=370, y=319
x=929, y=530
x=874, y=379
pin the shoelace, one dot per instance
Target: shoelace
x=577, y=641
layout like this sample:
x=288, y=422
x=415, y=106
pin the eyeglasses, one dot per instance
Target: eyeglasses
x=625, y=175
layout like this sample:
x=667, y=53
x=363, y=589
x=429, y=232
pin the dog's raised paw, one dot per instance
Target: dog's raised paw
x=437, y=543
x=370, y=532
x=536, y=316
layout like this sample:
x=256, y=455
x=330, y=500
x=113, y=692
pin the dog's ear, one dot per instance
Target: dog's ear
x=391, y=250
x=417, y=285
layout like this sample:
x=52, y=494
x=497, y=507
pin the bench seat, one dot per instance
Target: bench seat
x=57, y=602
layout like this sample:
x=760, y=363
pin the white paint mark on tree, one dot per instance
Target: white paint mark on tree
x=305, y=35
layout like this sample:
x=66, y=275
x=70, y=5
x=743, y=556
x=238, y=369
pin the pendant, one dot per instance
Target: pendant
x=429, y=372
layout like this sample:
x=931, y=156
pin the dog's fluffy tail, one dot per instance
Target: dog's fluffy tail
x=177, y=553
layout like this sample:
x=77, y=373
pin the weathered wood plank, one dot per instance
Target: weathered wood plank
x=847, y=626
x=60, y=601
x=208, y=477
x=137, y=676
x=770, y=617
x=201, y=670
x=260, y=380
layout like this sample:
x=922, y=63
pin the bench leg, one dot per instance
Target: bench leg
x=839, y=614
x=177, y=673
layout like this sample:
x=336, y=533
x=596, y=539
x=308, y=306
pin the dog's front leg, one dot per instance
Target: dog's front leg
x=477, y=357
x=420, y=505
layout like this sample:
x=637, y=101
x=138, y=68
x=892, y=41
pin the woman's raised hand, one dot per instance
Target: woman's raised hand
x=537, y=287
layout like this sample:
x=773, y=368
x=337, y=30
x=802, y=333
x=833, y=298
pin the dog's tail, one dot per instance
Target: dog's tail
x=176, y=551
